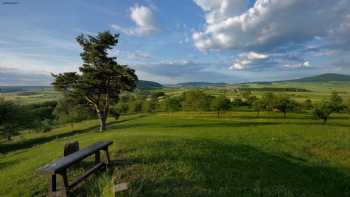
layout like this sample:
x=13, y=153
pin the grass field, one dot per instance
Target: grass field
x=196, y=154
x=318, y=91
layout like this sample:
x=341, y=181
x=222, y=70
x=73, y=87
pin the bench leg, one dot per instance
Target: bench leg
x=97, y=157
x=108, y=158
x=65, y=181
x=52, y=185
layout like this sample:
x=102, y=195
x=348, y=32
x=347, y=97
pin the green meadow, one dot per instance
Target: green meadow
x=195, y=154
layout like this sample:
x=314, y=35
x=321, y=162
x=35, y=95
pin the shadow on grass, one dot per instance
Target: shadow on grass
x=220, y=123
x=8, y=147
x=5, y=148
x=210, y=168
x=6, y=164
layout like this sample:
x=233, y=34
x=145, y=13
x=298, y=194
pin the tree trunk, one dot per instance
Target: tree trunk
x=102, y=119
x=325, y=120
x=102, y=123
x=9, y=137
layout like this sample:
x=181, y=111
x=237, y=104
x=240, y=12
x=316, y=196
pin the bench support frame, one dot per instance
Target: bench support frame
x=67, y=187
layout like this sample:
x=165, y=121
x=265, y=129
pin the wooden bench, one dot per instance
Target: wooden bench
x=61, y=165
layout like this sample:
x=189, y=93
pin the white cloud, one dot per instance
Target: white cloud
x=143, y=18
x=270, y=23
x=245, y=59
x=34, y=63
x=306, y=64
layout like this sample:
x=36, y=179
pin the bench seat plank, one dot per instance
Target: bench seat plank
x=65, y=162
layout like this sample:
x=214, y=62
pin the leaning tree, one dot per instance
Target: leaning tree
x=101, y=79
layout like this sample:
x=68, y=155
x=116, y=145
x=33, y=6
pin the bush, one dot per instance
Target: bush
x=173, y=104
x=323, y=111
x=308, y=104
x=196, y=100
x=220, y=104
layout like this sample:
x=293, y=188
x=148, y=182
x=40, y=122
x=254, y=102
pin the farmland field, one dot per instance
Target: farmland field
x=196, y=154
x=315, y=91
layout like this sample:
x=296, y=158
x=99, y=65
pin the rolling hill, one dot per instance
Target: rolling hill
x=197, y=84
x=327, y=77
x=142, y=84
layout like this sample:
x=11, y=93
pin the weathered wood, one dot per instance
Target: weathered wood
x=120, y=189
x=97, y=157
x=76, y=182
x=107, y=155
x=52, y=185
x=65, y=162
x=61, y=165
x=71, y=147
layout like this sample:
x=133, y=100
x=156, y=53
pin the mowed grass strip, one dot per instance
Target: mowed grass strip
x=196, y=154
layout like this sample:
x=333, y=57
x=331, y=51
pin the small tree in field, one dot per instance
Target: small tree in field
x=101, y=78
x=220, y=104
x=323, y=111
x=326, y=108
x=12, y=118
x=284, y=104
x=337, y=102
x=269, y=101
x=173, y=104
x=258, y=106
x=308, y=104
x=196, y=100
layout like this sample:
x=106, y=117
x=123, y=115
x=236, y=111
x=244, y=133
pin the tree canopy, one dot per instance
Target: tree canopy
x=101, y=79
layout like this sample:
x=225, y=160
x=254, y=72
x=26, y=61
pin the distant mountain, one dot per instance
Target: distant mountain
x=198, y=84
x=13, y=78
x=328, y=77
x=146, y=85
x=24, y=89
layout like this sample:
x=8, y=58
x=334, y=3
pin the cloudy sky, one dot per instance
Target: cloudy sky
x=184, y=40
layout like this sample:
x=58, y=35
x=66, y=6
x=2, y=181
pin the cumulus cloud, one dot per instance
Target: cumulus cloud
x=143, y=18
x=306, y=64
x=271, y=23
x=245, y=59
x=185, y=70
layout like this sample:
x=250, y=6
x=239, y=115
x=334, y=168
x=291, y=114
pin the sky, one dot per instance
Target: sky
x=171, y=41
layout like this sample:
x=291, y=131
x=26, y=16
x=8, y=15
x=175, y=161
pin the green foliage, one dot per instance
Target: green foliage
x=308, y=104
x=326, y=108
x=13, y=118
x=337, y=102
x=135, y=106
x=44, y=125
x=172, y=104
x=323, y=111
x=269, y=101
x=258, y=106
x=220, y=104
x=70, y=110
x=238, y=102
x=196, y=100
x=101, y=78
x=156, y=95
x=150, y=105
x=121, y=107
x=285, y=104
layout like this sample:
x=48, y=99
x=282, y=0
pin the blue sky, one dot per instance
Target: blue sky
x=184, y=40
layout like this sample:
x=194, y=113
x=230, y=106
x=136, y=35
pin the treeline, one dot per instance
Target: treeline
x=197, y=100
x=43, y=117
x=40, y=117
x=274, y=89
